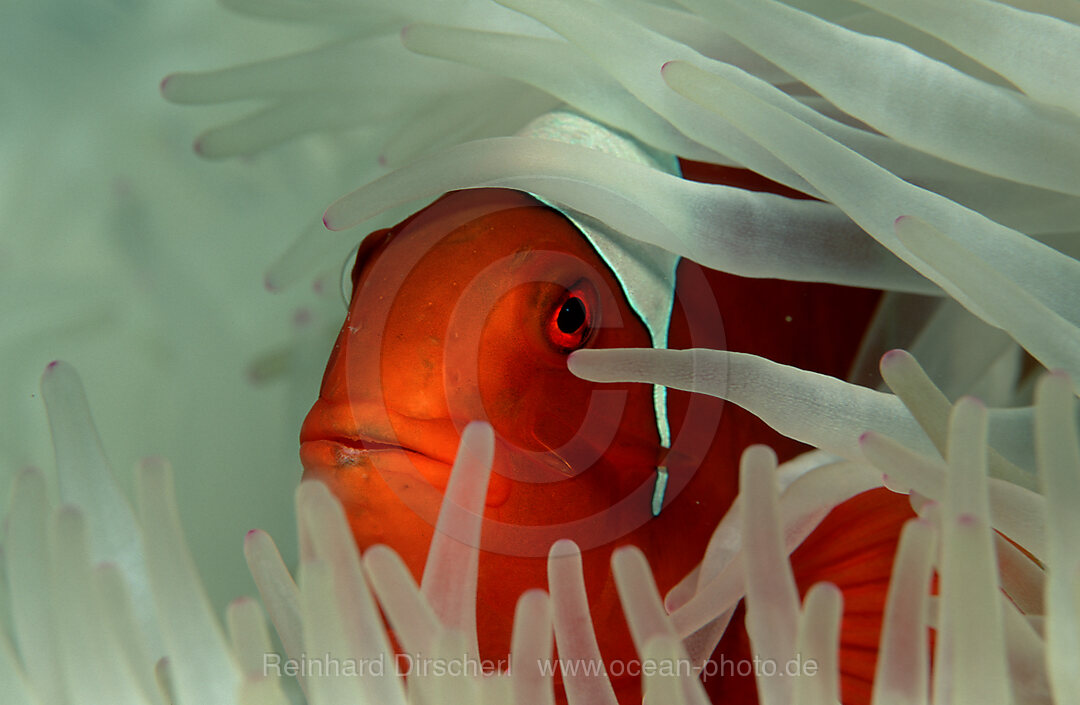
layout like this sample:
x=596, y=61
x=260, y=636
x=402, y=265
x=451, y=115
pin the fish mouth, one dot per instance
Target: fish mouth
x=329, y=448
x=350, y=450
x=363, y=445
x=358, y=430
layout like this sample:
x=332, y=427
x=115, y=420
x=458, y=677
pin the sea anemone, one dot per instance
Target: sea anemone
x=941, y=143
x=96, y=592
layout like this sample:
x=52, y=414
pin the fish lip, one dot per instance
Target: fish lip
x=326, y=456
x=363, y=431
x=358, y=446
x=361, y=444
x=332, y=430
x=353, y=447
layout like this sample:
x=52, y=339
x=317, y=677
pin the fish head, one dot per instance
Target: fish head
x=469, y=310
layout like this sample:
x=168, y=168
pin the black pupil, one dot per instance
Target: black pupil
x=571, y=316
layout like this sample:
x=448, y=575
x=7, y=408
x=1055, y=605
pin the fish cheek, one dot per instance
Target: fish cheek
x=392, y=508
x=528, y=394
x=411, y=356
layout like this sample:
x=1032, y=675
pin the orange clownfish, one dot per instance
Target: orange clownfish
x=469, y=309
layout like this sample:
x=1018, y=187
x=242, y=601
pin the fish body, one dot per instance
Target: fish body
x=468, y=310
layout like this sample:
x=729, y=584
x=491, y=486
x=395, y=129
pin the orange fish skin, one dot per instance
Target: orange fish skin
x=451, y=321
x=388, y=380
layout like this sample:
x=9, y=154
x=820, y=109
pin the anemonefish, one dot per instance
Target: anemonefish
x=469, y=308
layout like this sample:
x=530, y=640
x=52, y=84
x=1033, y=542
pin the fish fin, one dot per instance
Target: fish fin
x=854, y=548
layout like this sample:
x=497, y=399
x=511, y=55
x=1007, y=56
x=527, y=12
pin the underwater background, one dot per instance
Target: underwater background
x=173, y=251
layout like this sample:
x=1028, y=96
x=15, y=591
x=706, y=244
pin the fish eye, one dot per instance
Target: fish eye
x=570, y=323
x=571, y=316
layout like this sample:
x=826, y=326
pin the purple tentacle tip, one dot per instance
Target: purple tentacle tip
x=893, y=356
x=153, y=462
x=967, y=398
x=52, y=365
